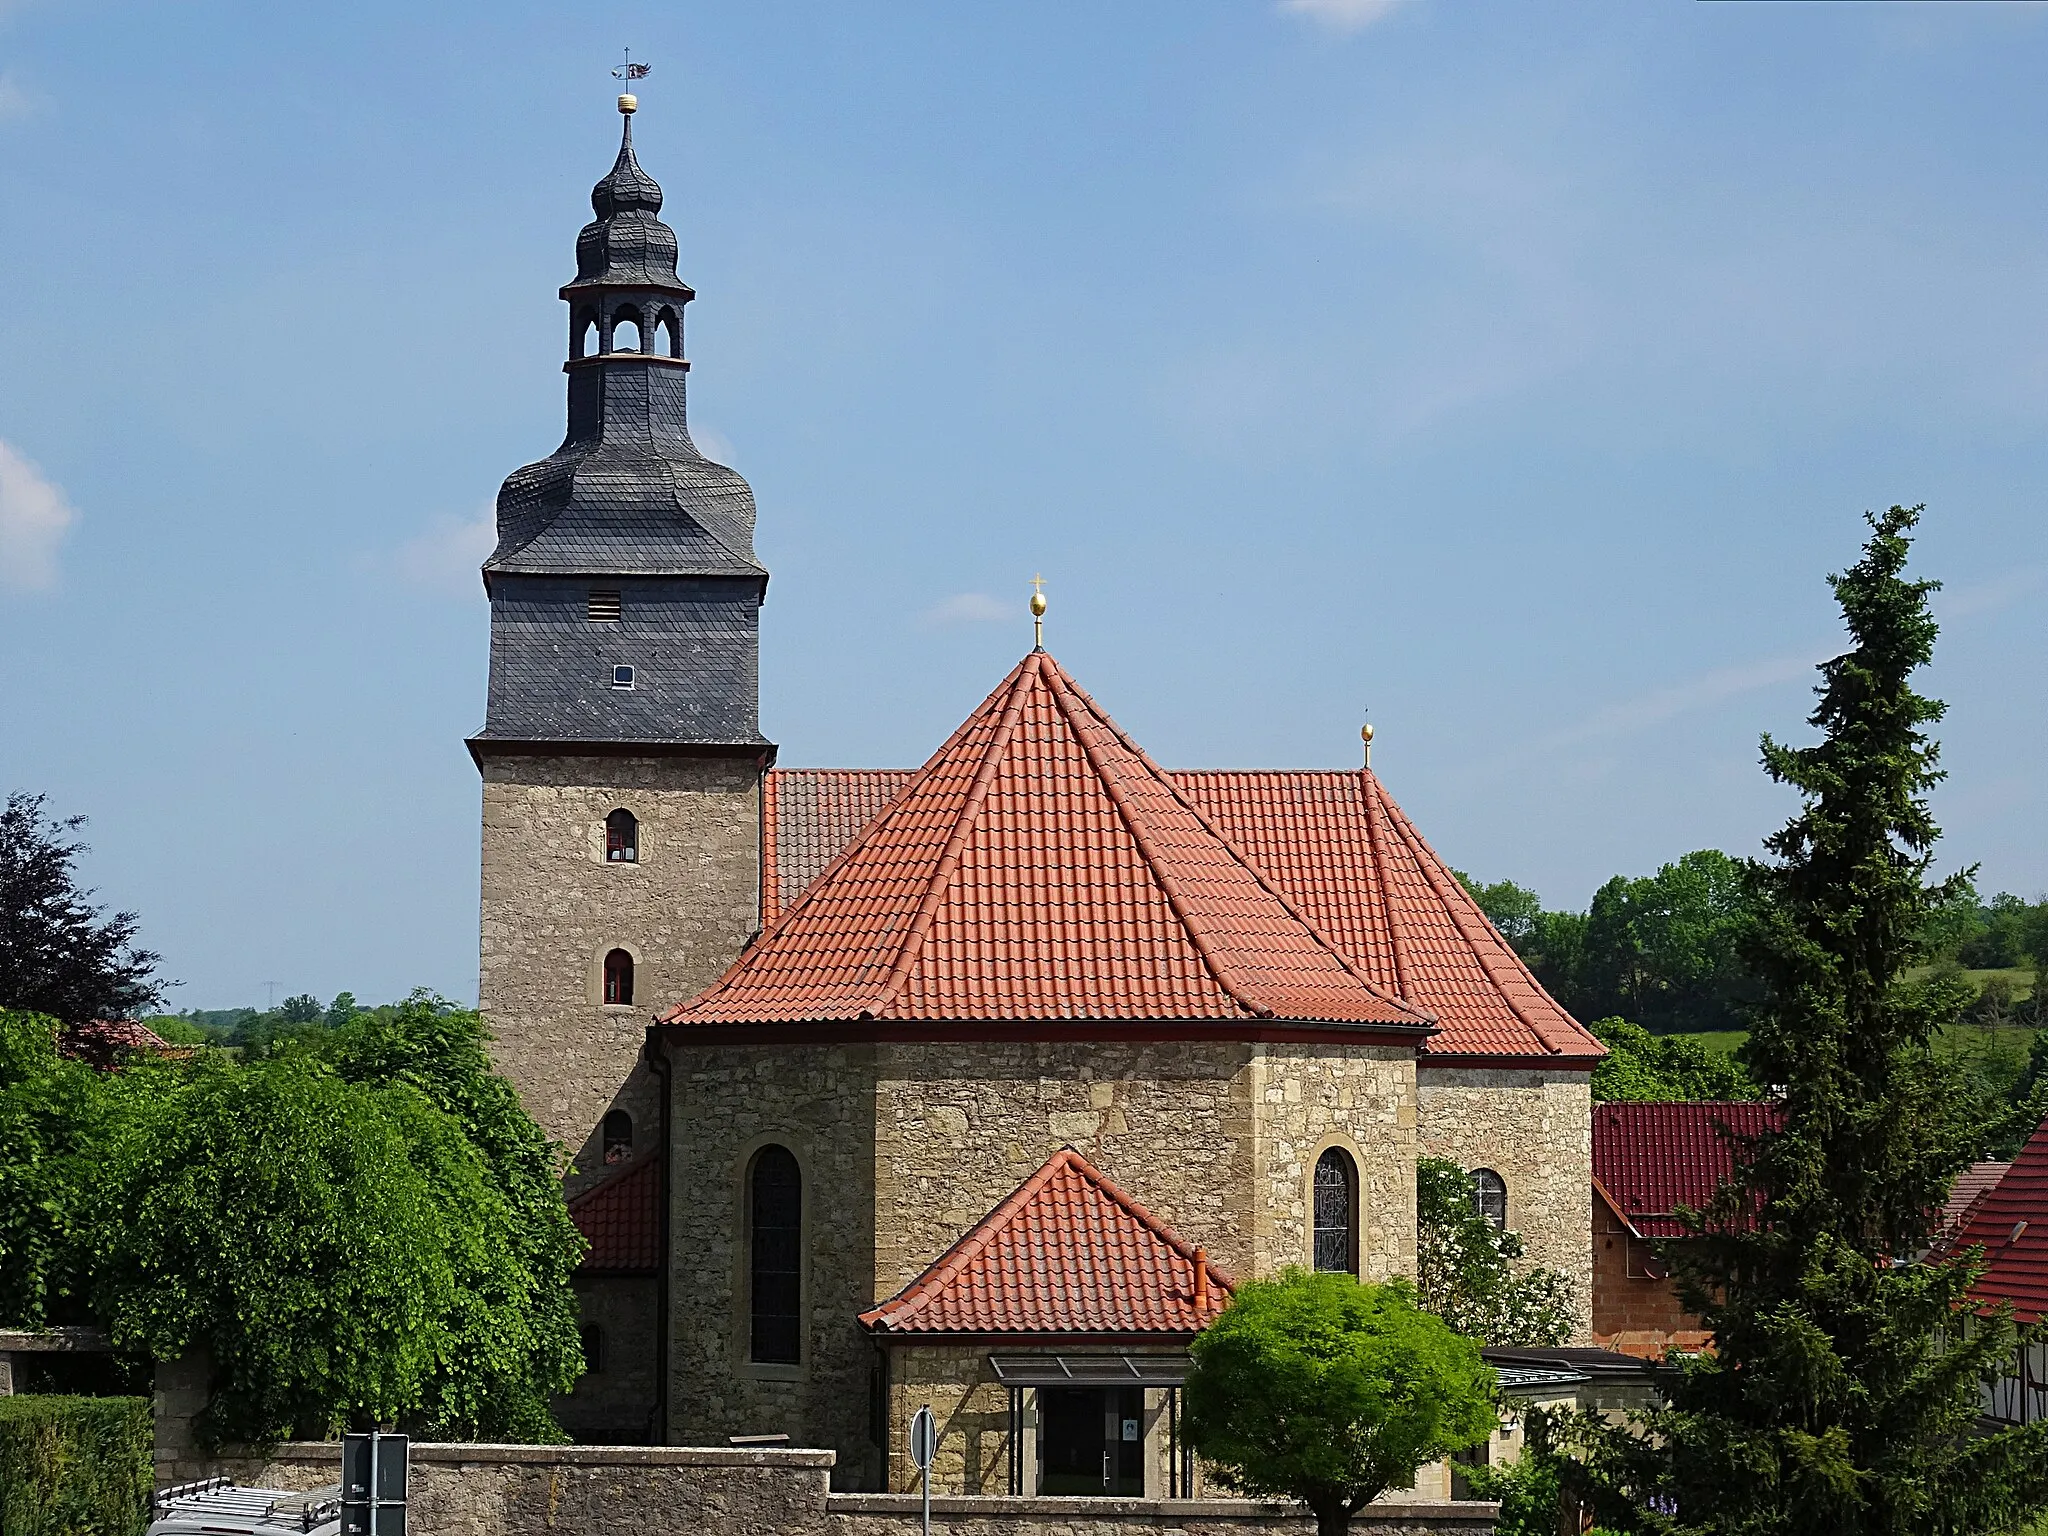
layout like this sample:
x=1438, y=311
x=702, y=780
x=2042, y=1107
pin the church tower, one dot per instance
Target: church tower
x=621, y=753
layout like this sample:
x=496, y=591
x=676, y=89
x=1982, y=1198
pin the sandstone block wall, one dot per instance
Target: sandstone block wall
x=614, y=1405
x=553, y=906
x=905, y=1146
x=1535, y=1129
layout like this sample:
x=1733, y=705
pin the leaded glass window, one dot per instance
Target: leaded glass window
x=1336, y=1229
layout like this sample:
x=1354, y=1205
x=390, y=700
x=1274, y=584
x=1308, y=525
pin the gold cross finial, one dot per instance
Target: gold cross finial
x=1038, y=612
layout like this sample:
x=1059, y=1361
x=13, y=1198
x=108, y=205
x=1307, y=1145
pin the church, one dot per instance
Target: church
x=977, y=1085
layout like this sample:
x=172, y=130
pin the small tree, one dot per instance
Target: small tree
x=1469, y=1268
x=59, y=954
x=1317, y=1388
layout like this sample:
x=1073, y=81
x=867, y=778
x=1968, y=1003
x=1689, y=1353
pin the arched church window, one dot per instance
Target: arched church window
x=1336, y=1213
x=775, y=1218
x=583, y=336
x=670, y=334
x=618, y=977
x=617, y=1136
x=1490, y=1195
x=626, y=330
x=622, y=837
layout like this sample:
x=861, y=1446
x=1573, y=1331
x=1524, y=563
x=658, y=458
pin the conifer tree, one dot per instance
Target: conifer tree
x=1841, y=1394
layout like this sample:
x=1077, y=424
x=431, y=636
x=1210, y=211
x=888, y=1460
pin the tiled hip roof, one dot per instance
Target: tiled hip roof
x=1068, y=1253
x=1652, y=1158
x=621, y=1220
x=1041, y=868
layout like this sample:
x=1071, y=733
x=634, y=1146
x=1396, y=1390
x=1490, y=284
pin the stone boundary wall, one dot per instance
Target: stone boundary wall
x=595, y=1490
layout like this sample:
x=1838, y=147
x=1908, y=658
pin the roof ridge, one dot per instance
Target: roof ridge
x=963, y=827
x=771, y=872
x=1432, y=867
x=1244, y=861
x=637, y=1163
x=917, y=1293
x=1396, y=946
x=1168, y=886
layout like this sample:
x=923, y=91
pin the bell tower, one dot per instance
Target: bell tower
x=621, y=753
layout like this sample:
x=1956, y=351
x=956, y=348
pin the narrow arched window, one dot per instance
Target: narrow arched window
x=583, y=333
x=617, y=1135
x=1490, y=1195
x=670, y=334
x=775, y=1202
x=622, y=838
x=618, y=977
x=1336, y=1213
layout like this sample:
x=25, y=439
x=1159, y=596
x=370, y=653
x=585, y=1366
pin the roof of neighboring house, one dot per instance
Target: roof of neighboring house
x=1971, y=1186
x=103, y=1042
x=620, y=1218
x=1651, y=1158
x=1068, y=1253
x=1332, y=845
x=2010, y=1222
x=1042, y=868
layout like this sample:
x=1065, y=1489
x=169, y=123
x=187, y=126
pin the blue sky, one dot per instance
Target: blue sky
x=1515, y=371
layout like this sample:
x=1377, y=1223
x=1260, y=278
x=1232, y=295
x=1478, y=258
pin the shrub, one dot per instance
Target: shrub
x=74, y=1466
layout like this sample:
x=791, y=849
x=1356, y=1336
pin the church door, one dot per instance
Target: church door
x=1092, y=1441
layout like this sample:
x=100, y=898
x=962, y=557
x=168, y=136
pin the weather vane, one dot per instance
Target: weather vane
x=629, y=72
x=1038, y=612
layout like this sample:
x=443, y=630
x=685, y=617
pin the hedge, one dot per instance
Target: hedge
x=75, y=1466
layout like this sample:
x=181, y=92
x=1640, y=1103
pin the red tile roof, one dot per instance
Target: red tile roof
x=2010, y=1221
x=1040, y=867
x=1653, y=1158
x=621, y=1220
x=103, y=1043
x=1971, y=1185
x=1334, y=844
x=1068, y=1253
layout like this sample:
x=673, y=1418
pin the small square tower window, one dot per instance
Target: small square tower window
x=622, y=677
x=606, y=608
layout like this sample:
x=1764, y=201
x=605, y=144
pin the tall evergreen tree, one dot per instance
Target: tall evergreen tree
x=1841, y=1396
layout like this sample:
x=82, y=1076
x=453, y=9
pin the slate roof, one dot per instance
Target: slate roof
x=1334, y=844
x=1651, y=1158
x=2010, y=1221
x=1068, y=1253
x=621, y=1220
x=626, y=245
x=1039, y=868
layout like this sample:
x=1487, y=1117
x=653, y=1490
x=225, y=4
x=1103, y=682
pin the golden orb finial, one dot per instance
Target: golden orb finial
x=1038, y=612
x=629, y=103
x=1365, y=735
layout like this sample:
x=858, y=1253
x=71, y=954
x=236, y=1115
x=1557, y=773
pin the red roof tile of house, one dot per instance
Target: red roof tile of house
x=1653, y=1158
x=102, y=1043
x=1068, y=1253
x=1040, y=868
x=621, y=1220
x=1334, y=844
x=2010, y=1222
x=1971, y=1186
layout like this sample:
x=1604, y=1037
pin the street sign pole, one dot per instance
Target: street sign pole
x=924, y=1447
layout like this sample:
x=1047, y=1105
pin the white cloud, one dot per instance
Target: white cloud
x=1985, y=596
x=1341, y=15
x=444, y=559
x=973, y=608
x=34, y=517
x=712, y=443
x=16, y=100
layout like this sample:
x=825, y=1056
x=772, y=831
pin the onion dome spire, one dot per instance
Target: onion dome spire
x=627, y=243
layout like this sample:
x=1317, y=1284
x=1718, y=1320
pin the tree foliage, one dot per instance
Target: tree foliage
x=1642, y=1066
x=1317, y=1388
x=1471, y=1272
x=363, y=1226
x=1841, y=1395
x=59, y=954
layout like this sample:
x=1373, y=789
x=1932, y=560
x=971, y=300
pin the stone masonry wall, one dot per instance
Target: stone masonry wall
x=904, y=1147
x=614, y=1404
x=537, y=1490
x=1535, y=1129
x=553, y=907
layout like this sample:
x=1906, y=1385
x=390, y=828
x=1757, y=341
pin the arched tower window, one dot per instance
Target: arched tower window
x=583, y=333
x=1490, y=1195
x=622, y=837
x=626, y=329
x=775, y=1216
x=670, y=334
x=617, y=1136
x=618, y=977
x=1336, y=1213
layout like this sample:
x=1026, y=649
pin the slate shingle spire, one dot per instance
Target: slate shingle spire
x=626, y=509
